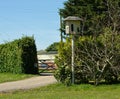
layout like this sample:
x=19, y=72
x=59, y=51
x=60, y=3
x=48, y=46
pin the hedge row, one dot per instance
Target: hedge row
x=19, y=56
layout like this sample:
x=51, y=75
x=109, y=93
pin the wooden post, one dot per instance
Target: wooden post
x=73, y=78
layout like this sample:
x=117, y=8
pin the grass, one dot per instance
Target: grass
x=6, y=77
x=59, y=91
x=46, y=71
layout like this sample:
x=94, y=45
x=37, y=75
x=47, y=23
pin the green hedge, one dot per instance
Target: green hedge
x=19, y=56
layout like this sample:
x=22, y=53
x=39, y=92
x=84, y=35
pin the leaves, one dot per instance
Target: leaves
x=18, y=56
x=96, y=59
x=96, y=14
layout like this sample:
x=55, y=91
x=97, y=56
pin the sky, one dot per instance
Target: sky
x=38, y=18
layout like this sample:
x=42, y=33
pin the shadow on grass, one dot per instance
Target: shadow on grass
x=105, y=83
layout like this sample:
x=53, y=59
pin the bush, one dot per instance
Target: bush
x=63, y=74
x=96, y=59
x=19, y=56
x=63, y=61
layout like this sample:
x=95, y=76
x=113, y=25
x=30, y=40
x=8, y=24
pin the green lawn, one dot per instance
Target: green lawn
x=5, y=77
x=59, y=91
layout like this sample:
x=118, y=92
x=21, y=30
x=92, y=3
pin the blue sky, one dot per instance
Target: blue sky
x=30, y=17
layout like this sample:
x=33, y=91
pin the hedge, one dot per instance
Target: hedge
x=19, y=56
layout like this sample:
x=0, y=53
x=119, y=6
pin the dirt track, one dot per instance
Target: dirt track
x=27, y=83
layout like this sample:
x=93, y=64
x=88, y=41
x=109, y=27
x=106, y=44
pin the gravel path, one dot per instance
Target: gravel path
x=27, y=83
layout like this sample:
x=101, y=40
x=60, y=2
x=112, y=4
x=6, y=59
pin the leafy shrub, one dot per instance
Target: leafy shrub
x=63, y=74
x=63, y=61
x=96, y=59
x=19, y=56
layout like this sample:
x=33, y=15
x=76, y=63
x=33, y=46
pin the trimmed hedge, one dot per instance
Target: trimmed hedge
x=19, y=56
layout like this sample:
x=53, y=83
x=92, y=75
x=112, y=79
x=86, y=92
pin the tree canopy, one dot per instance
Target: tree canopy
x=97, y=56
x=52, y=47
x=96, y=14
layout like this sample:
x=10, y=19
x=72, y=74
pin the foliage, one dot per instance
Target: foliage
x=29, y=55
x=111, y=42
x=97, y=56
x=10, y=58
x=96, y=14
x=53, y=47
x=63, y=73
x=96, y=59
x=19, y=56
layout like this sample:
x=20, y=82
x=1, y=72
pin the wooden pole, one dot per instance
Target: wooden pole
x=61, y=37
x=73, y=74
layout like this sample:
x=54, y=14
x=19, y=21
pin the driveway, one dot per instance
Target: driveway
x=27, y=83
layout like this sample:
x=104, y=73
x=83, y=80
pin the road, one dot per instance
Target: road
x=27, y=83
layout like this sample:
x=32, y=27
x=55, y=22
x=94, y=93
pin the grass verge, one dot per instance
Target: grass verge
x=6, y=77
x=59, y=91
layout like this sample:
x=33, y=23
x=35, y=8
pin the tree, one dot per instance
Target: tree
x=53, y=47
x=96, y=14
x=96, y=59
x=99, y=57
x=88, y=10
x=113, y=10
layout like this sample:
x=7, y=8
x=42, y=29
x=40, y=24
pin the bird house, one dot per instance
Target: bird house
x=72, y=25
